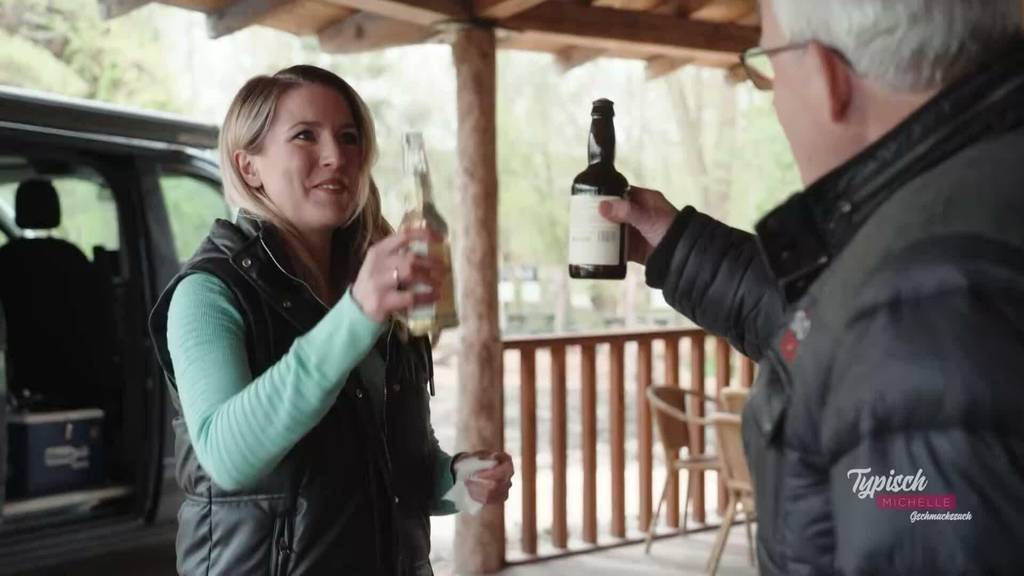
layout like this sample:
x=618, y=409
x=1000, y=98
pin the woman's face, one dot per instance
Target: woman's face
x=310, y=159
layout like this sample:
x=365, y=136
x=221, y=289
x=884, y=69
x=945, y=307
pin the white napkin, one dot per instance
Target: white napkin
x=458, y=493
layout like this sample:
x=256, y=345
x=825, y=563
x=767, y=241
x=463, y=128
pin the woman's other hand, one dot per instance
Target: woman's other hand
x=390, y=272
x=491, y=486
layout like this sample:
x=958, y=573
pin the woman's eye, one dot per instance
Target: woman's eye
x=306, y=135
x=350, y=138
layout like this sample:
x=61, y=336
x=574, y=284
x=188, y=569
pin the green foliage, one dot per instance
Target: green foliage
x=28, y=65
x=64, y=46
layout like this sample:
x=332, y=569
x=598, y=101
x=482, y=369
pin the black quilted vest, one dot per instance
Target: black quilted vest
x=354, y=495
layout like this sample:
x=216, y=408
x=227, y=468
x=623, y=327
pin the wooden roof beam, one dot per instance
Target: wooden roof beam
x=422, y=12
x=365, y=31
x=610, y=29
x=240, y=14
x=114, y=8
x=500, y=9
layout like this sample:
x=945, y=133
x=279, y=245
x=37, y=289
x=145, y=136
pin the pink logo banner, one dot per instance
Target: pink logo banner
x=915, y=501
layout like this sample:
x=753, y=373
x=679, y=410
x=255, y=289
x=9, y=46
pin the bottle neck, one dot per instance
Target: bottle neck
x=601, y=145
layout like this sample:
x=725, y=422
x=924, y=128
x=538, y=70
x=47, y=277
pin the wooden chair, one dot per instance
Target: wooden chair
x=732, y=400
x=736, y=476
x=677, y=429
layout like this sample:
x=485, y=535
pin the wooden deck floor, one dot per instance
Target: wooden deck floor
x=677, y=556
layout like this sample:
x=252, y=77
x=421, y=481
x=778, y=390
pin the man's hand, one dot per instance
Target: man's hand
x=648, y=215
x=491, y=486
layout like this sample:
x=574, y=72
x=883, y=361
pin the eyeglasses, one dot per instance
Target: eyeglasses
x=757, y=64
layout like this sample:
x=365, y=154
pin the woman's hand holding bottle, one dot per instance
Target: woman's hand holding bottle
x=390, y=271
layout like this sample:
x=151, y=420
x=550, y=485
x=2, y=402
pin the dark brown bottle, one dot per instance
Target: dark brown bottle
x=597, y=247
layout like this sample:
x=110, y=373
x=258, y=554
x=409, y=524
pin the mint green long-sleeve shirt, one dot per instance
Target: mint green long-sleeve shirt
x=241, y=426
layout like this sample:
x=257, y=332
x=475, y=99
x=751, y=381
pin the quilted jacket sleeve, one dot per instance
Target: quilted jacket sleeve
x=714, y=275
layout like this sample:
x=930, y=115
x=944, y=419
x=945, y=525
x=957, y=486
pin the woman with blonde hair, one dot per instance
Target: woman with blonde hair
x=303, y=436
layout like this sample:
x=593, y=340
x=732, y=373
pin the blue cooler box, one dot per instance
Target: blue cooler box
x=52, y=452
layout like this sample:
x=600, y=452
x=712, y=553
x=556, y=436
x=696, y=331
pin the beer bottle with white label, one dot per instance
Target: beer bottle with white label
x=597, y=247
x=427, y=318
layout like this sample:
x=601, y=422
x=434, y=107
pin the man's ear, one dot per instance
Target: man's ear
x=836, y=75
x=247, y=168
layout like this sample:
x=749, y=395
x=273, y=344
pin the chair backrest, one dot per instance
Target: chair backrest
x=730, y=450
x=732, y=400
x=673, y=418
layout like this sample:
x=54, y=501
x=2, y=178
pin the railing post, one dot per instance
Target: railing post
x=672, y=379
x=588, y=404
x=617, y=417
x=528, y=463
x=697, y=384
x=723, y=356
x=747, y=367
x=644, y=430
x=559, y=531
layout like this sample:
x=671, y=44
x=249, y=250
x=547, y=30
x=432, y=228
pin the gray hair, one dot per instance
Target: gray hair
x=905, y=44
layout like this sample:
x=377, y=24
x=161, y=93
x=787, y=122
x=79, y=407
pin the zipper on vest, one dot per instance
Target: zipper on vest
x=286, y=273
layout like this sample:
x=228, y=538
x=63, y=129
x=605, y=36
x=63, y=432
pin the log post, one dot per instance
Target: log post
x=480, y=539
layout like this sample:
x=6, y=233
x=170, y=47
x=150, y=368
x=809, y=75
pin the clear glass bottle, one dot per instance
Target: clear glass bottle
x=428, y=318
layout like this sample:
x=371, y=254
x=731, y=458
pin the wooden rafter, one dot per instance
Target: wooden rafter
x=240, y=14
x=422, y=12
x=365, y=31
x=499, y=9
x=115, y=8
x=611, y=29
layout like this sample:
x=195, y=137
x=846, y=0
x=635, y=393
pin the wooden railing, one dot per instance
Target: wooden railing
x=618, y=351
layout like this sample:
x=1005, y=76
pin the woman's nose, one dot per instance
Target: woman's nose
x=331, y=154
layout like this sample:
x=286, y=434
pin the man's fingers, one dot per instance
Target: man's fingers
x=617, y=211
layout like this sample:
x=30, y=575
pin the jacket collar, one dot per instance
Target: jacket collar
x=801, y=237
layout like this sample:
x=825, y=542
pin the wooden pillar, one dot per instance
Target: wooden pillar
x=480, y=539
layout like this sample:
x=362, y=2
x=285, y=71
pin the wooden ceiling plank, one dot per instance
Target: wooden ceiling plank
x=240, y=14
x=365, y=31
x=422, y=12
x=723, y=11
x=611, y=29
x=500, y=9
x=641, y=5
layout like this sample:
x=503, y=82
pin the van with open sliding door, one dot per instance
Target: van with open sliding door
x=98, y=207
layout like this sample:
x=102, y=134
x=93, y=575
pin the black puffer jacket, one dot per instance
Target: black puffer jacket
x=885, y=306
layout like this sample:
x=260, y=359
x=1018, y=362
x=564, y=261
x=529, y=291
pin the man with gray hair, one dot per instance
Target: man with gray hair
x=884, y=302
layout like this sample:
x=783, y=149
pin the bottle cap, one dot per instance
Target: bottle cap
x=603, y=107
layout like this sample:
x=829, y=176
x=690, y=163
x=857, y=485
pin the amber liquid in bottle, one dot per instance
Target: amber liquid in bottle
x=597, y=247
x=427, y=318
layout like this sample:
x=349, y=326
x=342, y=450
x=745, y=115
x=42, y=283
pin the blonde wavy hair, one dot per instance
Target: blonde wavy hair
x=246, y=125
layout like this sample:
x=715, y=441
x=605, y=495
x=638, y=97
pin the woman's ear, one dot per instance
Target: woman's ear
x=247, y=168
